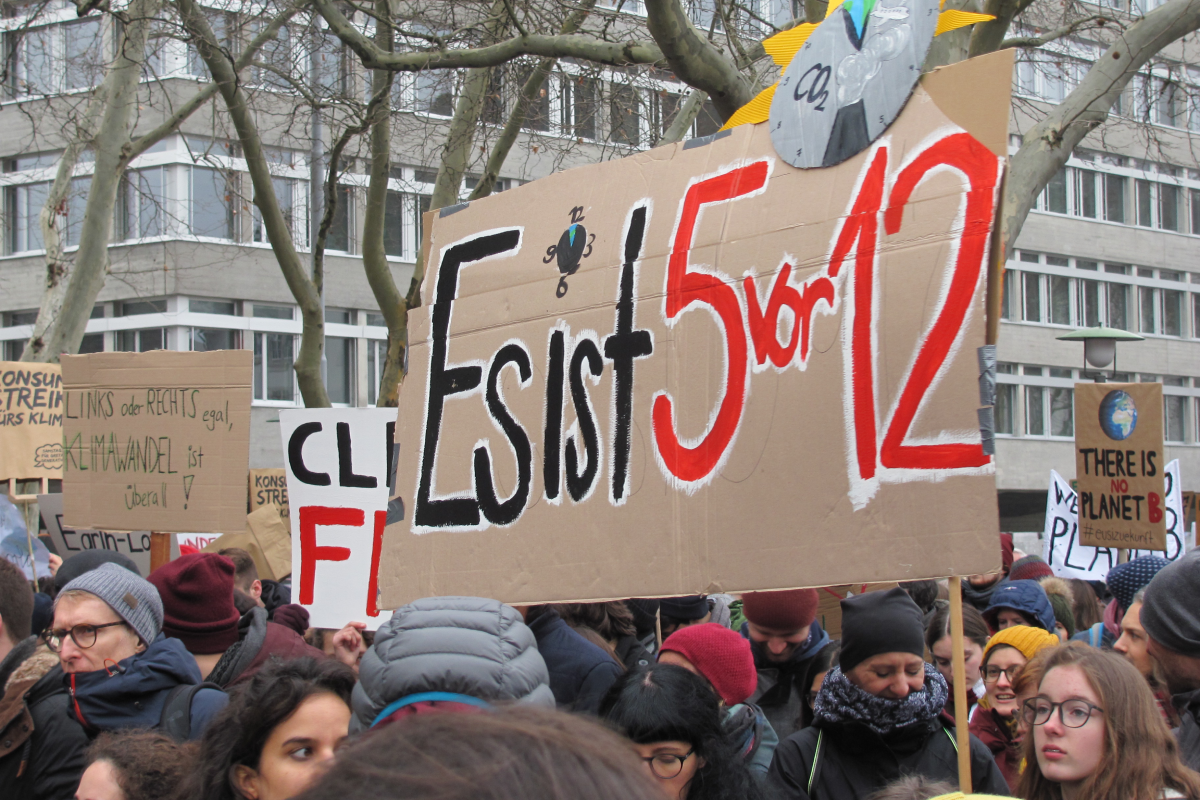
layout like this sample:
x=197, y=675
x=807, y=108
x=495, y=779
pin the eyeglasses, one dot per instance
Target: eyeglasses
x=1071, y=713
x=992, y=674
x=82, y=635
x=667, y=766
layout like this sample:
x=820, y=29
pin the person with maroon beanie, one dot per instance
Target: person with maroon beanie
x=723, y=658
x=785, y=639
x=198, y=609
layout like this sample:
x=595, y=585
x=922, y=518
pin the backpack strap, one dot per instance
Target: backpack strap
x=176, y=719
x=953, y=739
x=812, y=771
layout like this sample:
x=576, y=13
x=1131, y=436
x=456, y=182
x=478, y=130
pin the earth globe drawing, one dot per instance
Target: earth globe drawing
x=1118, y=415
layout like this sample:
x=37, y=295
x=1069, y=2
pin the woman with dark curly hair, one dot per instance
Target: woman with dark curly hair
x=277, y=735
x=675, y=722
x=133, y=765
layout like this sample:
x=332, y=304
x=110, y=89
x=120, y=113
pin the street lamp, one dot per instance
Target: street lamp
x=1100, y=348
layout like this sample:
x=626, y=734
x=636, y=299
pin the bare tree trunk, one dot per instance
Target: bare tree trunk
x=312, y=338
x=118, y=97
x=379, y=274
x=529, y=92
x=695, y=60
x=1048, y=145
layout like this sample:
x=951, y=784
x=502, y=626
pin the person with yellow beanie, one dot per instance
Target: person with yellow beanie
x=995, y=720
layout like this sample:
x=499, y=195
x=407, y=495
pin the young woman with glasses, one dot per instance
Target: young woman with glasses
x=995, y=720
x=1098, y=734
x=675, y=722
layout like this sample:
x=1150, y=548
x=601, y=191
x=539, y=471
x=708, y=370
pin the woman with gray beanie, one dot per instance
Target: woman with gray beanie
x=117, y=665
x=449, y=654
x=877, y=714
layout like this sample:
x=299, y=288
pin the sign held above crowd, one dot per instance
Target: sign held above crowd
x=157, y=441
x=31, y=420
x=1119, y=465
x=699, y=368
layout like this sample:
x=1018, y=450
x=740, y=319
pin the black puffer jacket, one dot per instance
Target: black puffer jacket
x=855, y=762
x=36, y=729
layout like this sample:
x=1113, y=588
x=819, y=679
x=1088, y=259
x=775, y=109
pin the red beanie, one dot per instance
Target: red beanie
x=788, y=610
x=720, y=655
x=197, y=597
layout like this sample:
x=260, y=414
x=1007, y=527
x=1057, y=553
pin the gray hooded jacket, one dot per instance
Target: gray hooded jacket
x=464, y=645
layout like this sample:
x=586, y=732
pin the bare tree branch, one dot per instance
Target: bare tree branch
x=684, y=118
x=1094, y=21
x=695, y=60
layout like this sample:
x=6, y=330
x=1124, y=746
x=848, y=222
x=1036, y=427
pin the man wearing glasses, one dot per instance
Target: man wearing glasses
x=117, y=665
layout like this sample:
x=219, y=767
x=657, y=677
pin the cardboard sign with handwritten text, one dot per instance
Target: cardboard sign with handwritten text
x=1119, y=465
x=268, y=487
x=157, y=441
x=700, y=369
x=31, y=402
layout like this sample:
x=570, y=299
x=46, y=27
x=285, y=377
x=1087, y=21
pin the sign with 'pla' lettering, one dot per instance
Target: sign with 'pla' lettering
x=338, y=461
x=157, y=441
x=1119, y=465
x=699, y=368
x=1062, y=550
x=31, y=402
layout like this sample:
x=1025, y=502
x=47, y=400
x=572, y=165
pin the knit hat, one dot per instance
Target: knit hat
x=1126, y=580
x=133, y=597
x=719, y=654
x=684, y=608
x=87, y=561
x=789, y=610
x=197, y=593
x=1170, y=613
x=880, y=622
x=1029, y=568
x=1027, y=639
x=1061, y=600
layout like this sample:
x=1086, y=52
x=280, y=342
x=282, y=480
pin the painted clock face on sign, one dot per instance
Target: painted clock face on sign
x=850, y=80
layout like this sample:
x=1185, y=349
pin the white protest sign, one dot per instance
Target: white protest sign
x=1070, y=559
x=338, y=463
x=69, y=541
x=197, y=540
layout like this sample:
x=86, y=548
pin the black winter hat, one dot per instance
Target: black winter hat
x=880, y=622
x=687, y=608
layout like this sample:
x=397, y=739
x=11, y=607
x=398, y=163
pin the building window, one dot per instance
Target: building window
x=339, y=373
x=273, y=359
x=625, y=115
x=225, y=307
x=582, y=103
x=434, y=92
x=273, y=312
x=393, y=224
x=338, y=236
x=1005, y=402
x=144, y=206
x=133, y=308
x=212, y=206
x=376, y=356
x=1172, y=312
x=206, y=339
x=291, y=196
x=1033, y=297
x=1035, y=411
x=1062, y=412
x=1174, y=413
x=141, y=341
x=57, y=58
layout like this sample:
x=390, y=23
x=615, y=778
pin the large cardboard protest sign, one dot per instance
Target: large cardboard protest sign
x=338, y=464
x=69, y=541
x=701, y=369
x=157, y=441
x=1069, y=558
x=266, y=539
x=269, y=487
x=31, y=401
x=1119, y=465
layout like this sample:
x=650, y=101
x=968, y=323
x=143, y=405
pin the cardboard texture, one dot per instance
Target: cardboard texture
x=338, y=464
x=1062, y=550
x=269, y=487
x=68, y=541
x=698, y=369
x=829, y=606
x=157, y=441
x=266, y=539
x=31, y=406
x=1119, y=465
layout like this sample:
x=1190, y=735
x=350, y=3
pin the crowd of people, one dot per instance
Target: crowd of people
x=201, y=681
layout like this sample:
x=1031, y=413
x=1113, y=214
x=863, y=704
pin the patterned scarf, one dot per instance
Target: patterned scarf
x=840, y=701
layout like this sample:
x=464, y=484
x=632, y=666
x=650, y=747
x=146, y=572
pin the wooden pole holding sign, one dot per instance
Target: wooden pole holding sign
x=160, y=549
x=961, y=734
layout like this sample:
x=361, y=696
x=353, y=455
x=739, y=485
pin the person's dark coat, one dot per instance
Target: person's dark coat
x=1188, y=706
x=993, y=730
x=633, y=654
x=132, y=694
x=782, y=688
x=41, y=746
x=1026, y=597
x=855, y=761
x=581, y=673
x=259, y=639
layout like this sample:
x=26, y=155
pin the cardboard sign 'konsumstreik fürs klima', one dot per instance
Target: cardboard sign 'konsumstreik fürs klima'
x=699, y=368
